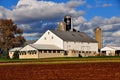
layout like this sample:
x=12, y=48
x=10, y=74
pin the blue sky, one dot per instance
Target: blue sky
x=36, y=16
x=96, y=9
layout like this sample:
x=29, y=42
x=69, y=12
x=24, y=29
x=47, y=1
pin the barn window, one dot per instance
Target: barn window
x=89, y=51
x=44, y=38
x=54, y=51
x=45, y=51
x=82, y=51
x=49, y=51
x=48, y=33
x=58, y=51
x=33, y=52
x=52, y=37
x=40, y=51
x=79, y=51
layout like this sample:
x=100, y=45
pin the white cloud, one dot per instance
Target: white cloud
x=33, y=10
x=75, y=3
x=4, y=13
x=113, y=20
x=28, y=12
x=31, y=34
x=111, y=41
x=106, y=5
x=107, y=34
x=25, y=26
x=79, y=20
x=110, y=28
x=107, y=27
x=116, y=34
x=33, y=16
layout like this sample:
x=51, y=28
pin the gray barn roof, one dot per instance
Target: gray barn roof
x=73, y=36
x=45, y=47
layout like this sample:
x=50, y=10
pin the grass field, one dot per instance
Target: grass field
x=60, y=60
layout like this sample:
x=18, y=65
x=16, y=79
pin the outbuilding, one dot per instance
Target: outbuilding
x=111, y=51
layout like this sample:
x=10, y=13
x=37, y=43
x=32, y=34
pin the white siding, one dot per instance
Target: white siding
x=50, y=39
x=50, y=55
x=28, y=56
x=81, y=46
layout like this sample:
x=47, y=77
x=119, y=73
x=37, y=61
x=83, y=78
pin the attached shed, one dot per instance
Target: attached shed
x=40, y=51
x=111, y=51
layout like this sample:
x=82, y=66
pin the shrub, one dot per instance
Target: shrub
x=16, y=55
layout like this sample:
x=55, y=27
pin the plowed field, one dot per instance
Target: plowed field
x=77, y=71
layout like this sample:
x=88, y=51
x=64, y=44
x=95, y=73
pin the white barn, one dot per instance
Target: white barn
x=54, y=43
x=111, y=51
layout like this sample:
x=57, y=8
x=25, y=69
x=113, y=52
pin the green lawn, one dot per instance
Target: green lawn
x=85, y=59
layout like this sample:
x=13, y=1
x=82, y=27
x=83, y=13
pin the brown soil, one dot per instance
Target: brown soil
x=81, y=71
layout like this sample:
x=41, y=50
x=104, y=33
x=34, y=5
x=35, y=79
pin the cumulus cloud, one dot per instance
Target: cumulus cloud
x=4, y=13
x=109, y=26
x=34, y=10
x=110, y=41
x=116, y=34
x=36, y=16
x=75, y=3
x=39, y=15
x=25, y=26
x=31, y=34
x=79, y=20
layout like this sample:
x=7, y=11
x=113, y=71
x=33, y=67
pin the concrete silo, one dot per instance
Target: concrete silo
x=98, y=37
x=62, y=26
x=69, y=24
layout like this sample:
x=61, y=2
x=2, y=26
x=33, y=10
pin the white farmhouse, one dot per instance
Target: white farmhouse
x=55, y=43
